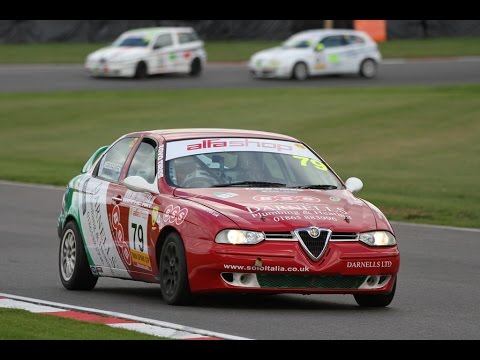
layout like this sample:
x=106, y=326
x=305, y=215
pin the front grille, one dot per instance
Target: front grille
x=344, y=236
x=314, y=246
x=278, y=235
x=290, y=281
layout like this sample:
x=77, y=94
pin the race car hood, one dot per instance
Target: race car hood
x=118, y=53
x=277, y=209
x=279, y=53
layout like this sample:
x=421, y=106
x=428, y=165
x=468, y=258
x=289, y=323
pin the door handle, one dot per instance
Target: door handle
x=117, y=199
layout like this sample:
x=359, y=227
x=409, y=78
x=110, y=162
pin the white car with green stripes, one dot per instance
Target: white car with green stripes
x=319, y=52
x=142, y=52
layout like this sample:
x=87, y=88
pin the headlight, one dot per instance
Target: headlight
x=274, y=63
x=378, y=238
x=239, y=237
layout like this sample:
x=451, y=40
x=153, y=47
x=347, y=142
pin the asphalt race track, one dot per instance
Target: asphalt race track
x=437, y=295
x=17, y=78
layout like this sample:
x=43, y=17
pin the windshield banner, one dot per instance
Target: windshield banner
x=177, y=149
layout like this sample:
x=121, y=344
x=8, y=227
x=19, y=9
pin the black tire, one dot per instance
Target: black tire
x=368, y=68
x=375, y=300
x=141, y=71
x=173, y=272
x=74, y=269
x=300, y=71
x=195, y=67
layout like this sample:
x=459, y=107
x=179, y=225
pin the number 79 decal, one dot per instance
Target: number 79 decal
x=305, y=161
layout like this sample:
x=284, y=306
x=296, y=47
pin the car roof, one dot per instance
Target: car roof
x=328, y=32
x=157, y=30
x=195, y=133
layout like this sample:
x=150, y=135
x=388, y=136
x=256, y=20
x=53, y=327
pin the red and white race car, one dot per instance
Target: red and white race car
x=221, y=210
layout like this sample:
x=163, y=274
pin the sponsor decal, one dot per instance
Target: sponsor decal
x=119, y=236
x=109, y=165
x=139, y=199
x=172, y=56
x=212, y=212
x=138, y=237
x=154, y=215
x=160, y=161
x=369, y=264
x=275, y=268
x=94, y=222
x=288, y=212
x=176, y=149
x=320, y=66
x=334, y=59
x=224, y=195
x=286, y=198
x=174, y=215
x=187, y=55
x=334, y=198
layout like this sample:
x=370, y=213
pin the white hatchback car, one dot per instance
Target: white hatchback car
x=318, y=52
x=142, y=52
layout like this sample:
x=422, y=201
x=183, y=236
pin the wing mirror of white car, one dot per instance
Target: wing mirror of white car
x=319, y=48
x=138, y=183
x=354, y=184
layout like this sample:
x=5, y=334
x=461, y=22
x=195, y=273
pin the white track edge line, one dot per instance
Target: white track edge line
x=128, y=317
x=52, y=187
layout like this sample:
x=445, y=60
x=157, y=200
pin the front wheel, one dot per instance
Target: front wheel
x=300, y=71
x=141, y=71
x=173, y=271
x=75, y=272
x=368, y=68
x=375, y=300
x=195, y=67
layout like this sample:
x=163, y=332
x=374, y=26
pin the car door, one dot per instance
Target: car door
x=355, y=52
x=334, y=54
x=102, y=213
x=142, y=210
x=164, y=54
x=188, y=47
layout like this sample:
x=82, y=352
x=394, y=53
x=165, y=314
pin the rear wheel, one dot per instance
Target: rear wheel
x=300, y=71
x=375, y=300
x=75, y=272
x=368, y=68
x=173, y=272
x=141, y=70
x=195, y=67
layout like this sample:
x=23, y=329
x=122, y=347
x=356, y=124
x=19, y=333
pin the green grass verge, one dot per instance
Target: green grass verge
x=75, y=53
x=23, y=325
x=416, y=148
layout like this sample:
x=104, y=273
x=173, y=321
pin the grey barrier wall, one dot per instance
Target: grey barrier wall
x=40, y=31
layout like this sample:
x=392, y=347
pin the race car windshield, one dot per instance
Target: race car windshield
x=131, y=42
x=267, y=163
x=297, y=44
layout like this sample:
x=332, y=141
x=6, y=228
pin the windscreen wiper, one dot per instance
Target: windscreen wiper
x=251, y=183
x=318, y=186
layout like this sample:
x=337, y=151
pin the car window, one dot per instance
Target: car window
x=132, y=41
x=297, y=43
x=143, y=163
x=334, y=41
x=112, y=162
x=354, y=39
x=187, y=37
x=163, y=40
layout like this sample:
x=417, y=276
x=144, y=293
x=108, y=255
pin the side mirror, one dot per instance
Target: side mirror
x=138, y=183
x=354, y=184
x=319, y=47
x=155, y=47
